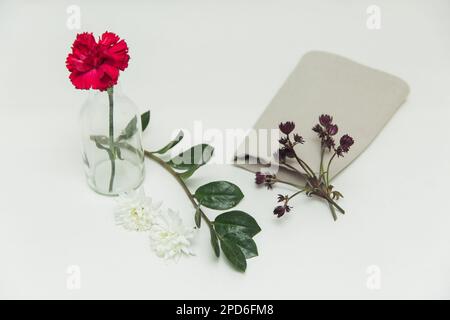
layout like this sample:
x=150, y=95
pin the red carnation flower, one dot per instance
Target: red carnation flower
x=95, y=64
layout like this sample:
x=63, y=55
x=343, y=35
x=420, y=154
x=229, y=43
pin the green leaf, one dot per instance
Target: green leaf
x=196, y=156
x=118, y=152
x=198, y=217
x=219, y=195
x=235, y=230
x=99, y=145
x=171, y=144
x=234, y=254
x=129, y=131
x=145, y=119
x=104, y=140
x=236, y=222
x=244, y=242
x=215, y=242
x=188, y=173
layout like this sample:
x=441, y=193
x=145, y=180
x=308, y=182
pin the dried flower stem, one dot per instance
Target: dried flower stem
x=297, y=193
x=326, y=181
x=302, y=163
x=333, y=211
x=322, y=153
x=332, y=202
x=328, y=169
x=289, y=183
x=318, y=186
x=305, y=176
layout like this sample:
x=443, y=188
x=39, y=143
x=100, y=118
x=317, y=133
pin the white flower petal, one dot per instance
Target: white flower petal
x=135, y=211
x=169, y=237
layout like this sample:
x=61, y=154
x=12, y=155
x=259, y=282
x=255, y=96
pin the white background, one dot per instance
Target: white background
x=221, y=62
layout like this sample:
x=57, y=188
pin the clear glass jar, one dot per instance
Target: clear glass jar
x=111, y=142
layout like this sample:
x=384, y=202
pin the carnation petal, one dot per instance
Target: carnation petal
x=83, y=80
x=108, y=38
x=118, y=55
x=84, y=42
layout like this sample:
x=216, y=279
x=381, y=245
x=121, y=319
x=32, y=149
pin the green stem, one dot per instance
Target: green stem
x=180, y=181
x=328, y=170
x=302, y=163
x=295, y=169
x=331, y=201
x=322, y=153
x=333, y=211
x=305, y=166
x=327, y=198
x=297, y=193
x=289, y=183
x=309, y=168
x=111, y=137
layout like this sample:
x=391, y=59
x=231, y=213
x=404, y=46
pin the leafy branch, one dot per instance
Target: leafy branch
x=231, y=232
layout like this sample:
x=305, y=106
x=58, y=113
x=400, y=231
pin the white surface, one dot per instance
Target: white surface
x=221, y=62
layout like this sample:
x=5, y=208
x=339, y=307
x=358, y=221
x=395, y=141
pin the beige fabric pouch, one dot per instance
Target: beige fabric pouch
x=360, y=99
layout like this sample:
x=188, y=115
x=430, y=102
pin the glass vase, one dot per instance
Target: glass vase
x=111, y=142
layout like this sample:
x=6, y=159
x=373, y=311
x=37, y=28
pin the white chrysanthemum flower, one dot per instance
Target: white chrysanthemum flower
x=170, y=238
x=135, y=211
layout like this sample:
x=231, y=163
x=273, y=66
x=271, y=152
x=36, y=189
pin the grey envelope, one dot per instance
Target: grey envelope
x=360, y=99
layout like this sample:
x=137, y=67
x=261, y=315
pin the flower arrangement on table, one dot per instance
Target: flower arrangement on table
x=113, y=157
x=96, y=65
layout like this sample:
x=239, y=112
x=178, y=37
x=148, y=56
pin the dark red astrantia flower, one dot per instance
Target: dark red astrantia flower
x=279, y=211
x=260, y=178
x=329, y=143
x=325, y=129
x=283, y=140
x=345, y=143
x=286, y=152
x=267, y=179
x=298, y=138
x=321, y=133
x=332, y=129
x=287, y=127
x=325, y=120
x=95, y=64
